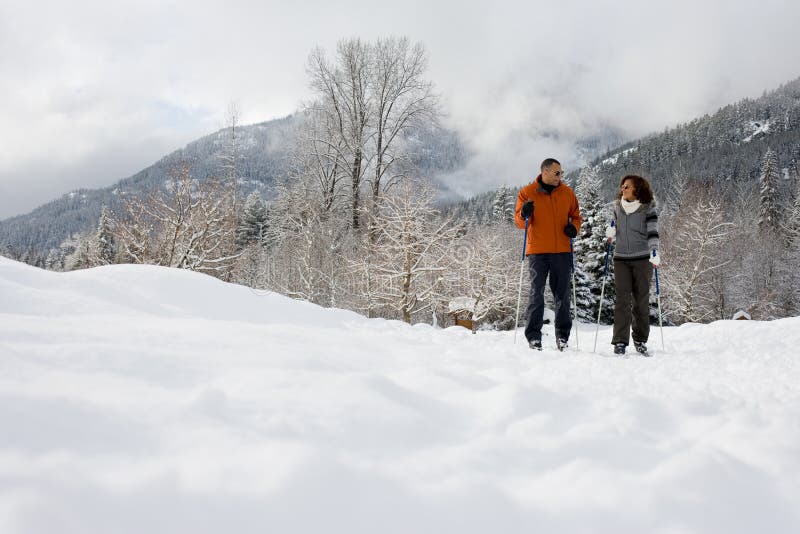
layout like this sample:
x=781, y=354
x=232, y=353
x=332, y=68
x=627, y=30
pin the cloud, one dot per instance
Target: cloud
x=520, y=80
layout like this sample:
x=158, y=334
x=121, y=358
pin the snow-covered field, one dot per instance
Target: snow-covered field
x=146, y=400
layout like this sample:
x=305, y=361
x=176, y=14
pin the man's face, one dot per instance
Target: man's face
x=552, y=175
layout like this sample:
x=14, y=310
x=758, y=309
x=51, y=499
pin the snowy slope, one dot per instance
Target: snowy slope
x=140, y=399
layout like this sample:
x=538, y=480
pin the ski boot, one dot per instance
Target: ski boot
x=535, y=344
x=561, y=344
x=641, y=348
x=619, y=348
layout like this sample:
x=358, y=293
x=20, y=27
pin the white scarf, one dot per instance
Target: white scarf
x=629, y=206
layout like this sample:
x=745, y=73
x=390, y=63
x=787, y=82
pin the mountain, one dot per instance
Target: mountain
x=723, y=150
x=138, y=398
x=264, y=154
x=264, y=158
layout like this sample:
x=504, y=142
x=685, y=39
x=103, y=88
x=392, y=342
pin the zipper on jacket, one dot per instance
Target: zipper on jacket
x=555, y=225
x=627, y=232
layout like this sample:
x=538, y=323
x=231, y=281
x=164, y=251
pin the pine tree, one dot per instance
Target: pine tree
x=83, y=256
x=590, y=250
x=54, y=261
x=104, y=240
x=769, y=211
x=792, y=232
x=253, y=224
x=503, y=205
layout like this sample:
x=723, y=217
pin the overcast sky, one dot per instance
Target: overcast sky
x=94, y=91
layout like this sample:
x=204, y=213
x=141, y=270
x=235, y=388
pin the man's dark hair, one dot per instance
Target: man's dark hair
x=547, y=163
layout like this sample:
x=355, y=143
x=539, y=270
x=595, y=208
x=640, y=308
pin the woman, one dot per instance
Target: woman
x=635, y=256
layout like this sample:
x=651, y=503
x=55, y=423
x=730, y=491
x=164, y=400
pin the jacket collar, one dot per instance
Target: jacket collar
x=641, y=207
x=540, y=186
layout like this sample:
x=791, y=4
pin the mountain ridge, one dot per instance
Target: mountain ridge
x=720, y=148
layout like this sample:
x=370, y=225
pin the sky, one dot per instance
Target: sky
x=95, y=91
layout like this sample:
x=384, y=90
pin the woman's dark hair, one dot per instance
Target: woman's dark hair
x=641, y=188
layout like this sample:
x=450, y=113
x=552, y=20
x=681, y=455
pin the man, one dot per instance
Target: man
x=554, y=217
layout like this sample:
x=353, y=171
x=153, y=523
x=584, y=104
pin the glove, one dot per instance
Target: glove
x=611, y=232
x=655, y=259
x=570, y=230
x=527, y=209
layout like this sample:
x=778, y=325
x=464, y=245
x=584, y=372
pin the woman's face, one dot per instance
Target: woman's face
x=628, y=192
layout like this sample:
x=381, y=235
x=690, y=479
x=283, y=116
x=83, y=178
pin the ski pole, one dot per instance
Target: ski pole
x=658, y=297
x=521, y=271
x=574, y=294
x=602, y=292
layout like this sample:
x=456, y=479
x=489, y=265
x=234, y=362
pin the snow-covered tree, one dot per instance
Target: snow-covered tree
x=696, y=259
x=675, y=191
x=188, y=225
x=402, y=100
x=343, y=95
x=484, y=268
x=769, y=210
x=105, y=247
x=590, y=251
x=366, y=101
x=767, y=267
x=320, y=155
x=791, y=265
x=83, y=254
x=411, y=251
x=230, y=155
x=81, y=251
x=309, y=246
x=253, y=223
x=54, y=261
x=503, y=205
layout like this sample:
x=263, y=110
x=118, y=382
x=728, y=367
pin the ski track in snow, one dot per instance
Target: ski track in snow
x=142, y=399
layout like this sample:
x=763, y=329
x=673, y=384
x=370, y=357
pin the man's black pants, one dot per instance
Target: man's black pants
x=557, y=266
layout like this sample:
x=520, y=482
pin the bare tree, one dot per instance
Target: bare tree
x=307, y=244
x=320, y=155
x=229, y=156
x=344, y=96
x=403, y=99
x=411, y=250
x=698, y=233
x=483, y=266
x=188, y=225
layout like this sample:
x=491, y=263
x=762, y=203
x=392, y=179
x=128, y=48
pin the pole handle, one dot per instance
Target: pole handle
x=525, y=238
x=658, y=292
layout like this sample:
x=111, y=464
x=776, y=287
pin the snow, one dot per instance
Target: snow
x=143, y=399
x=758, y=129
x=612, y=160
x=461, y=304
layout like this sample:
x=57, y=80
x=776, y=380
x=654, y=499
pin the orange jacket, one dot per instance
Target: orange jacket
x=551, y=213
